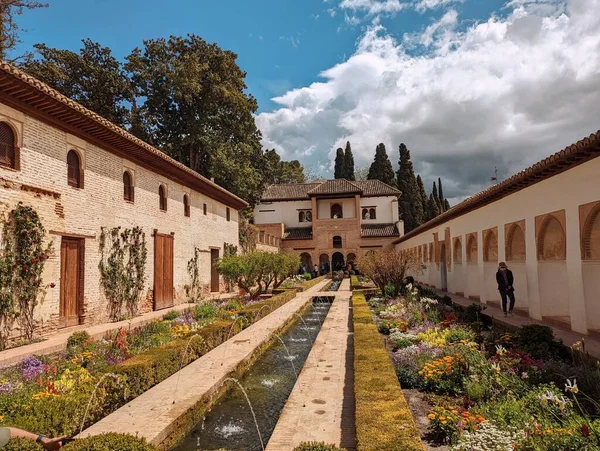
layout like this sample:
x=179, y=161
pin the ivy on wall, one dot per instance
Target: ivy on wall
x=22, y=258
x=122, y=269
x=194, y=290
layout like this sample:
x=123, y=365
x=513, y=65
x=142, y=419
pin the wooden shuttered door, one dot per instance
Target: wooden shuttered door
x=214, y=275
x=163, y=271
x=71, y=280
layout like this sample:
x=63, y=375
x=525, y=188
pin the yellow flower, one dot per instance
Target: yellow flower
x=431, y=416
x=1, y=418
x=444, y=422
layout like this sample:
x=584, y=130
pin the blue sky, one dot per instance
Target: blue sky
x=468, y=85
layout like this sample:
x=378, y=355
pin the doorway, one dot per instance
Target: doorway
x=214, y=275
x=337, y=261
x=443, y=268
x=71, y=280
x=163, y=271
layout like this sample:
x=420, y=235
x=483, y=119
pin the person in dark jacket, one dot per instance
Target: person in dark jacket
x=505, y=280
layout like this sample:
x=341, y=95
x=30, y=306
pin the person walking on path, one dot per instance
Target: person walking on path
x=505, y=280
x=6, y=434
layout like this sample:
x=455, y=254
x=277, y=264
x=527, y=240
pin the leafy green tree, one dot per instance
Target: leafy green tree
x=410, y=204
x=441, y=195
x=277, y=171
x=424, y=198
x=92, y=77
x=348, y=163
x=9, y=29
x=381, y=168
x=338, y=171
x=197, y=110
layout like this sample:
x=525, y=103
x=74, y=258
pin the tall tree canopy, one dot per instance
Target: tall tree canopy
x=410, y=204
x=9, y=29
x=277, y=171
x=348, y=163
x=441, y=195
x=424, y=198
x=92, y=77
x=381, y=168
x=338, y=171
x=436, y=198
x=433, y=209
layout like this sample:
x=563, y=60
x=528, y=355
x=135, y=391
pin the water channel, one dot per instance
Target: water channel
x=268, y=383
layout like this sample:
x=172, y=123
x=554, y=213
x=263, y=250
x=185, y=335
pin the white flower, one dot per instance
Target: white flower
x=496, y=367
x=572, y=387
x=409, y=287
x=500, y=350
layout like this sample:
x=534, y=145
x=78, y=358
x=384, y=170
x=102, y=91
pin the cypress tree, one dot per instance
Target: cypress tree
x=338, y=172
x=441, y=195
x=348, y=163
x=381, y=168
x=410, y=205
x=436, y=198
x=446, y=205
x=424, y=199
x=433, y=208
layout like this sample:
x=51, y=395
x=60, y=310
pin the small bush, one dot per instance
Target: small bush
x=306, y=276
x=77, y=339
x=458, y=334
x=204, y=311
x=316, y=446
x=110, y=442
x=538, y=340
x=19, y=444
x=171, y=315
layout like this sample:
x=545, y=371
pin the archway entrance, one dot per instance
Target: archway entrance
x=443, y=268
x=306, y=262
x=324, y=265
x=337, y=261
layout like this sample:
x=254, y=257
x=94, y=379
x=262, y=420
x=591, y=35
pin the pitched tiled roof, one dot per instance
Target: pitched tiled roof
x=22, y=91
x=378, y=230
x=339, y=186
x=580, y=152
x=303, y=191
x=298, y=233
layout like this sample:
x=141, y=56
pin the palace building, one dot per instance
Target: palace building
x=330, y=223
x=81, y=173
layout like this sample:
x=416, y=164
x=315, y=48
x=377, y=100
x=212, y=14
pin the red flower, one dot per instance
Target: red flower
x=52, y=285
x=24, y=268
x=585, y=430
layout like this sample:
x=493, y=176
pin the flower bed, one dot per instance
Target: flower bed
x=490, y=389
x=50, y=395
x=383, y=419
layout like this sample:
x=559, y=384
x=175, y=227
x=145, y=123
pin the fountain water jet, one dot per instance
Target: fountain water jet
x=229, y=335
x=290, y=356
x=251, y=409
x=114, y=376
x=182, y=360
x=305, y=327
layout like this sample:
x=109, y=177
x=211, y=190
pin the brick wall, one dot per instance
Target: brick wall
x=42, y=183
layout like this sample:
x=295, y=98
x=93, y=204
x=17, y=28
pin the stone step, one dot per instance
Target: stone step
x=594, y=333
x=520, y=311
x=563, y=322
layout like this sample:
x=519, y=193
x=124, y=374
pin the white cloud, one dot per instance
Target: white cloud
x=424, y=5
x=373, y=7
x=294, y=41
x=506, y=93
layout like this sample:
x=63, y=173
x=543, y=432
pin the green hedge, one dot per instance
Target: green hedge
x=104, y=442
x=149, y=368
x=355, y=283
x=384, y=421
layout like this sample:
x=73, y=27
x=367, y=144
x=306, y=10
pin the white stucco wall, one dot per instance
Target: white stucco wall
x=547, y=288
x=281, y=212
x=386, y=209
x=348, y=207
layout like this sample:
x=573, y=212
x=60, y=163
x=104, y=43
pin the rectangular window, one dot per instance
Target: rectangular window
x=228, y=214
x=204, y=209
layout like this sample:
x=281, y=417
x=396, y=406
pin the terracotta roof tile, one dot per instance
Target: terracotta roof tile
x=303, y=191
x=298, y=233
x=571, y=156
x=378, y=230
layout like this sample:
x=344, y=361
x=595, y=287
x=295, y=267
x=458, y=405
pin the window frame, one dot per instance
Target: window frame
x=13, y=160
x=186, y=206
x=78, y=182
x=128, y=196
x=162, y=197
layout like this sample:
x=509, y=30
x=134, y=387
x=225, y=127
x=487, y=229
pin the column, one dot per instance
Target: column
x=481, y=268
x=531, y=265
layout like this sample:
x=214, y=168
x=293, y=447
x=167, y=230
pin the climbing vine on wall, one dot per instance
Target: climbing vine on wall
x=248, y=235
x=194, y=290
x=122, y=269
x=22, y=258
x=229, y=249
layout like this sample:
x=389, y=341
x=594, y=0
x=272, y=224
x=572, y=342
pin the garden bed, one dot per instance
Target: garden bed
x=50, y=394
x=488, y=388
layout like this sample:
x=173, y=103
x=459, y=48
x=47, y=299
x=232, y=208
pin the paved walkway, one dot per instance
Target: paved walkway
x=58, y=342
x=321, y=405
x=154, y=414
x=592, y=344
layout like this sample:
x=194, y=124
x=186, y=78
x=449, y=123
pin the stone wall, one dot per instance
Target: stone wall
x=41, y=182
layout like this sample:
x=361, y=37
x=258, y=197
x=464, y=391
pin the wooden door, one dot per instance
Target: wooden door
x=214, y=275
x=163, y=271
x=71, y=280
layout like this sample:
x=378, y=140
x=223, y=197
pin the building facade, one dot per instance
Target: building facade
x=330, y=223
x=544, y=222
x=82, y=173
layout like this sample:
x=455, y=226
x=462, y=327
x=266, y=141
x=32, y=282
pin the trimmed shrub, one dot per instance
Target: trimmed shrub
x=538, y=340
x=311, y=283
x=19, y=444
x=316, y=446
x=354, y=282
x=171, y=315
x=110, y=442
x=380, y=402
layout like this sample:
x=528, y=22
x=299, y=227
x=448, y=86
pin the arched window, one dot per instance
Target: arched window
x=7, y=146
x=128, y=193
x=228, y=214
x=365, y=213
x=301, y=216
x=162, y=194
x=552, y=243
x=337, y=242
x=472, y=249
x=515, y=244
x=186, y=205
x=490, y=247
x=74, y=172
x=457, y=251
x=372, y=213
x=336, y=211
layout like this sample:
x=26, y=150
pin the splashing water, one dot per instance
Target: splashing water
x=251, y=409
x=183, y=359
x=305, y=326
x=291, y=359
x=115, y=377
x=269, y=382
x=229, y=430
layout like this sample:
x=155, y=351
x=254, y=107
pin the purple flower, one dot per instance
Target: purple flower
x=31, y=368
x=408, y=356
x=6, y=387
